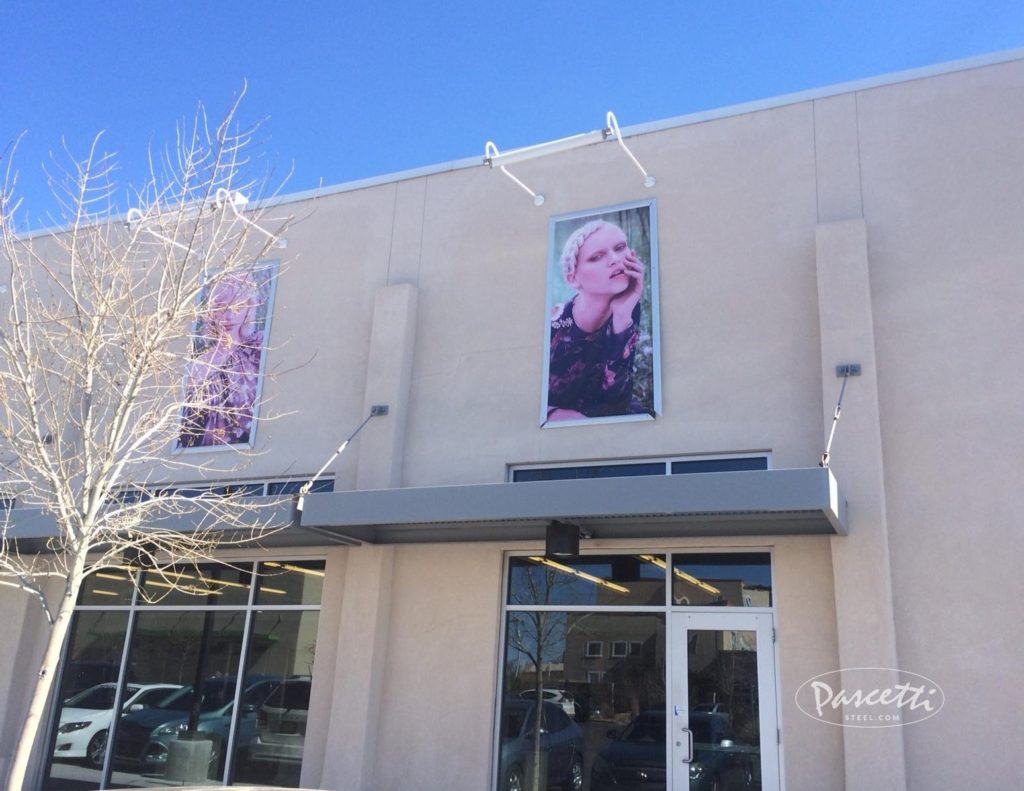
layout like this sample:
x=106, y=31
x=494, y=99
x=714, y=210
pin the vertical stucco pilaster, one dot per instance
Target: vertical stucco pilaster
x=325, y=678
x=388, y=377
x=361, y=658
x=26, y=632
x=837, y=158
x=15, y=655
x=874, y=757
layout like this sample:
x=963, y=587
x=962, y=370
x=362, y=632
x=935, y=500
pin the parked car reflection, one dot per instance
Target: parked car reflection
x=557, y=696
x=634, y=759
x=281, y=723
x=143, y=736
x=560, y=758
x=85, y=718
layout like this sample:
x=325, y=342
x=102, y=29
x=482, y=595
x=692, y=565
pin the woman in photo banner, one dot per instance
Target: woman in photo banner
x=594, y=335
x=223, y=377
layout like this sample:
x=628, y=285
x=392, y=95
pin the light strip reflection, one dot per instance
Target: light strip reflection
x=683, y=575
x=193, y=589
x=581, y=574
x=181, y=575
x=299, y=569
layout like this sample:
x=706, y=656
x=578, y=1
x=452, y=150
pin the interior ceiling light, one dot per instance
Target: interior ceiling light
x=299, y=569
x=683, y=575
x=104, y=575
x=494, y=158
x=193, y=589
x=581, y=574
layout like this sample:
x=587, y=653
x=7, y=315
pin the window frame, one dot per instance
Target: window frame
x=667, y=608
x=137, y=607
x=668, y=461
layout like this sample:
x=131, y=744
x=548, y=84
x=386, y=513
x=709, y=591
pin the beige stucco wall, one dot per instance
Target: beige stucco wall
x=736, y=209
x=943, y=203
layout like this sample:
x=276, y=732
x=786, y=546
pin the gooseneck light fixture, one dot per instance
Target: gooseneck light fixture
x=494, y=158
x=235, y=201
x=224, y=199
x=377, y=410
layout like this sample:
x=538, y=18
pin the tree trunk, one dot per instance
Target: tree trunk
x=44, y=685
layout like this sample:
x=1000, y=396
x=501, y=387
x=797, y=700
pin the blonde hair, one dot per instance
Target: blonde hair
x=237, y=291
x=571, y=251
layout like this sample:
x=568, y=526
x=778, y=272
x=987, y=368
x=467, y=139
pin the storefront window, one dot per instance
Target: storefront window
x=186, y=586
x=728, y=579
x=592, y=580
x=586, y=698
x=215, y=680
x=282, y=647
x=584, y=693
x=87, y=690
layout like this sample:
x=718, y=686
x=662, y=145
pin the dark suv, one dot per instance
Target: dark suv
x=143, y=736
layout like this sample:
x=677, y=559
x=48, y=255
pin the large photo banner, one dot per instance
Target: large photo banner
x=225, y=371
x=602, y=348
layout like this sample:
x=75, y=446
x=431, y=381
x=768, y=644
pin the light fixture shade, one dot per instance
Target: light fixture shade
x=562, y=540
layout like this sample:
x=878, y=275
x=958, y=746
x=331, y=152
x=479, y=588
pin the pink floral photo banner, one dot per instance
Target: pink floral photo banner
x=224, y=375
x=601, y=360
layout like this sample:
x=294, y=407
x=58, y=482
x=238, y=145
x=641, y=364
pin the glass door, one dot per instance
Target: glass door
x=722, y=723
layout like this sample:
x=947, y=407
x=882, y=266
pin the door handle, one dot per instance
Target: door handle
x=689, y=745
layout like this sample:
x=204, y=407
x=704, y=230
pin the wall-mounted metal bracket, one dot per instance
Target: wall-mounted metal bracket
x=844, y=372
x=375, y=411
x=493, y=158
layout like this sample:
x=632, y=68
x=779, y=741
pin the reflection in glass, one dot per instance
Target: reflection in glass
x=183, y=737
x=589, y=471
x=633, y=759
x=585, y=693
x=724, y=715
x=192, y=586
x=178, y=713
x=607, y=580
x=282, y=647
x=108, y=588
x=691, y=466
x=727, y=579
x=87, y=689
x=295, y=582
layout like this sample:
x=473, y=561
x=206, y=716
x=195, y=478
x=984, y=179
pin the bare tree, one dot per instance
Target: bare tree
x=98, y=330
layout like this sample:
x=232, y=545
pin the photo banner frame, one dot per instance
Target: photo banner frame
x=224, y=375
x=602, y=340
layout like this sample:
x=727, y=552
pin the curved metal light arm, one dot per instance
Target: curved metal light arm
x=497, y=159
x=136, y=216
x=612, y=126
x=225, y=197
x=490, y=154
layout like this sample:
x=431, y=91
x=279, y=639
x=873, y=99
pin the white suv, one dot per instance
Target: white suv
x=557, y=696
x=281, y=732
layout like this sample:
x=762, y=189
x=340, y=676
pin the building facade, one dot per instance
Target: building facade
x=418, y=617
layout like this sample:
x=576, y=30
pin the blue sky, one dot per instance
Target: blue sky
x=351, y=90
